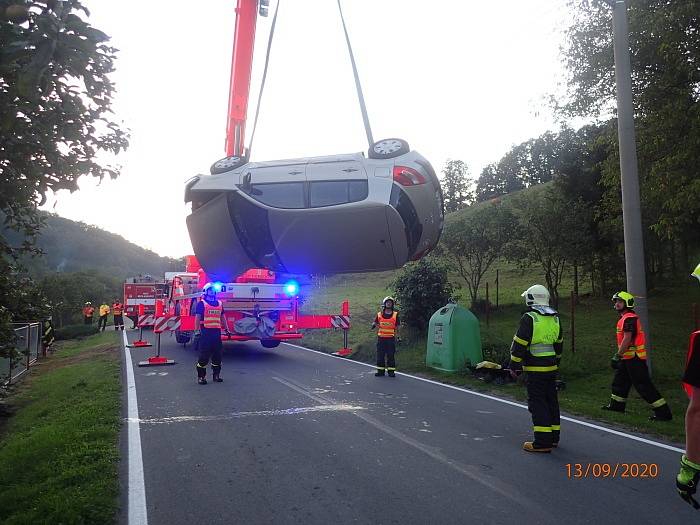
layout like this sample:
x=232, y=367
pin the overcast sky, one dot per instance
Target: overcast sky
x=458, y=79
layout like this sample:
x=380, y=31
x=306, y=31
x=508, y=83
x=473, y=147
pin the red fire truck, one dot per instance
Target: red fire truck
x=144, y=290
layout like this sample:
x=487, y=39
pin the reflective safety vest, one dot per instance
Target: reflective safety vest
x=387, y=327
x=88, y=311
x=212, y=315
x=545, y=332
x=104, y=309
x=117, y=308
x=637, y=345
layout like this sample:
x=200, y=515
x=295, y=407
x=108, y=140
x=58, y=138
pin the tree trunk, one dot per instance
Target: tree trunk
x=575, y=280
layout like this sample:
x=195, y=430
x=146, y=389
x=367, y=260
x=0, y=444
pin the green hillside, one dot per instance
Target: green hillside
x=71, y=246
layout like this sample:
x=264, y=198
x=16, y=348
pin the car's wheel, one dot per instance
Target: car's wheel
x=388, y=149
x=270, y=343
x=227, y=164
x=182, y=338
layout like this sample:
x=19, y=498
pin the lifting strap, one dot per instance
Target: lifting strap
x=363, y=107
x=262, y=83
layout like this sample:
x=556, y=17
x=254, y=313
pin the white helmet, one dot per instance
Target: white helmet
x=536, y=294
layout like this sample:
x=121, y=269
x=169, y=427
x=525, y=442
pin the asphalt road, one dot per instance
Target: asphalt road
x=295, y=436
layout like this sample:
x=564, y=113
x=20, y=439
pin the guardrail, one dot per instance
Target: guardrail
x=28, y=349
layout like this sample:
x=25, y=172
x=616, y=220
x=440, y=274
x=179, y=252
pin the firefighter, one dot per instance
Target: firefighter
x=536, y=349
x=118, y=311
x=630, y=362
x=104, y=312
x=388, y=322
x=208, y=323
x=88, y=312
x=689, y=475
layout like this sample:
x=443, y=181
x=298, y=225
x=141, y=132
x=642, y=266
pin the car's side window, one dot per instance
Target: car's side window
x=329, y=193
x=288, y=195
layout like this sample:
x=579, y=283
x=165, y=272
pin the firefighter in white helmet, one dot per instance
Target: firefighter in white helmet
x=536, y=349
x=388, y=322
x=209, y=321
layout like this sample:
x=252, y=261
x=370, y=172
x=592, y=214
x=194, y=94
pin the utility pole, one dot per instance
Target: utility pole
x=631, y=208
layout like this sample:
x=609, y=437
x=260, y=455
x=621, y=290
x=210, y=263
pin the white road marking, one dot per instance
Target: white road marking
x=238, y=415
x=138, y=514
x=507, y=402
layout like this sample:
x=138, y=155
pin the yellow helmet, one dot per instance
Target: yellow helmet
x=627, y=297
x=696, y=272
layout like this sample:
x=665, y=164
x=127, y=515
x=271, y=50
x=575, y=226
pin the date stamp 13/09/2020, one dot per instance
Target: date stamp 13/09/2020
x=612, y=470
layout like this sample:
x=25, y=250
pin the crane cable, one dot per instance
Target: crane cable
x=262, y=82
x=358, y=86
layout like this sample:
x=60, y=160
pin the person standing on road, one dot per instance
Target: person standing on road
x=388, y=322
x=536, y=349
x=118, y=311
x=88, y=312
x=630, y=362
x=689, y=475
x=104, y=312
x=208, y=322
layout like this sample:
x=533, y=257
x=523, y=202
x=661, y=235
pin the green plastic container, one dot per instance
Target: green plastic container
x=454, y=339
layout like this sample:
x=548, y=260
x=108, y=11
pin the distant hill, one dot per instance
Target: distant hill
x=71, y=246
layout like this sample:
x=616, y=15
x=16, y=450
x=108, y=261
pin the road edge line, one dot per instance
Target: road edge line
x=507, y=402
x=137, y=511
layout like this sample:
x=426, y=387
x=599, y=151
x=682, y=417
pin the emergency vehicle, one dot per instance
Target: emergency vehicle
x=144, y=290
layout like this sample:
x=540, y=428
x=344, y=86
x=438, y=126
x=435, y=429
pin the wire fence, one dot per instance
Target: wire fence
x=27, y=351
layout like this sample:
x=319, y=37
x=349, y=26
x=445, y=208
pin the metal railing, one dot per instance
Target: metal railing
x=27, y=351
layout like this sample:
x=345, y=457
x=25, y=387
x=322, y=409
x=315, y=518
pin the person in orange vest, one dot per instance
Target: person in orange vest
x=689, y=475
x=118, y=311
x=388, y=322
x=208, y=322
x=630, y=362
x=88, y=312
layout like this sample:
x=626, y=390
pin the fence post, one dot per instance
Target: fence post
x=29, y=342
x=573, y=322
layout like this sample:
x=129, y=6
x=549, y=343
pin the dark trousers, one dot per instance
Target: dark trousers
x=102, y=322
x=386, y=350
x=209, y=348
x=87, y=320
x=629, y=373
x=118, y=322
x=543, y=404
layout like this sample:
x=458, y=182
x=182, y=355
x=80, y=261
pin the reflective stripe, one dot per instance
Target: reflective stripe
x=540, y=368
x=390, y=369
x=543, y=429
x=515, y=359
x=556, y=427
x=542, y=350
x=618, y=398
x=200, y=366
x=659, y=403
x=520, y=341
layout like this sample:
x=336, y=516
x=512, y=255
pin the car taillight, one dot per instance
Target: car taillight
x=408, y=176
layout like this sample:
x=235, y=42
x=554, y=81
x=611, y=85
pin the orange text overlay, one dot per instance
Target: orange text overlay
x=611, y=470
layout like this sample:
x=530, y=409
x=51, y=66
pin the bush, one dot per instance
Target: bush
x=421, y=289
x=75, y=331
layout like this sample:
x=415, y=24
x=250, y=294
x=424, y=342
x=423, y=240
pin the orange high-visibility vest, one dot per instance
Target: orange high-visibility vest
x=387, y=327
x=117, y=308
x=637, y=345
x=88, y=311
x=212, y=315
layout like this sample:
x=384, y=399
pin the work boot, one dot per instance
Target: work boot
x=202, y=380
x=392, y=373
x=614, y=406
x=216, y=378
x=530, y=446
x=379, y=373
x=662, y=413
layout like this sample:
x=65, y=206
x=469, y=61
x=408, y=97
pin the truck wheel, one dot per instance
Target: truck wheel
x=270, y=343
x=227, y=164
x=388, y=149
x=182, y=338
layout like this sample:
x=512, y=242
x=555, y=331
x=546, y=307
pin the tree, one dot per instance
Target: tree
x=455, y=186
x=421, y=288
x=55, y=119
x=475, y=241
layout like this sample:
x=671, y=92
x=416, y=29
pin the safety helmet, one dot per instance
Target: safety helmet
x=388, y=298
x=536, y=294
x=627, y=297
x=88, y=303
x=207, y=287
x=696, y=272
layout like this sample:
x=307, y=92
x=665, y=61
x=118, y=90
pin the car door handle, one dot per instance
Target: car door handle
x=350, y=170
x=295, y=172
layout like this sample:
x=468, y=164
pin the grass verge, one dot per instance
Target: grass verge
x=587, y=372
x=59, y=451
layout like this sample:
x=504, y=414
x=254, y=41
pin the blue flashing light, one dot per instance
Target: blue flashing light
x=217, y=286
x=291, y=288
